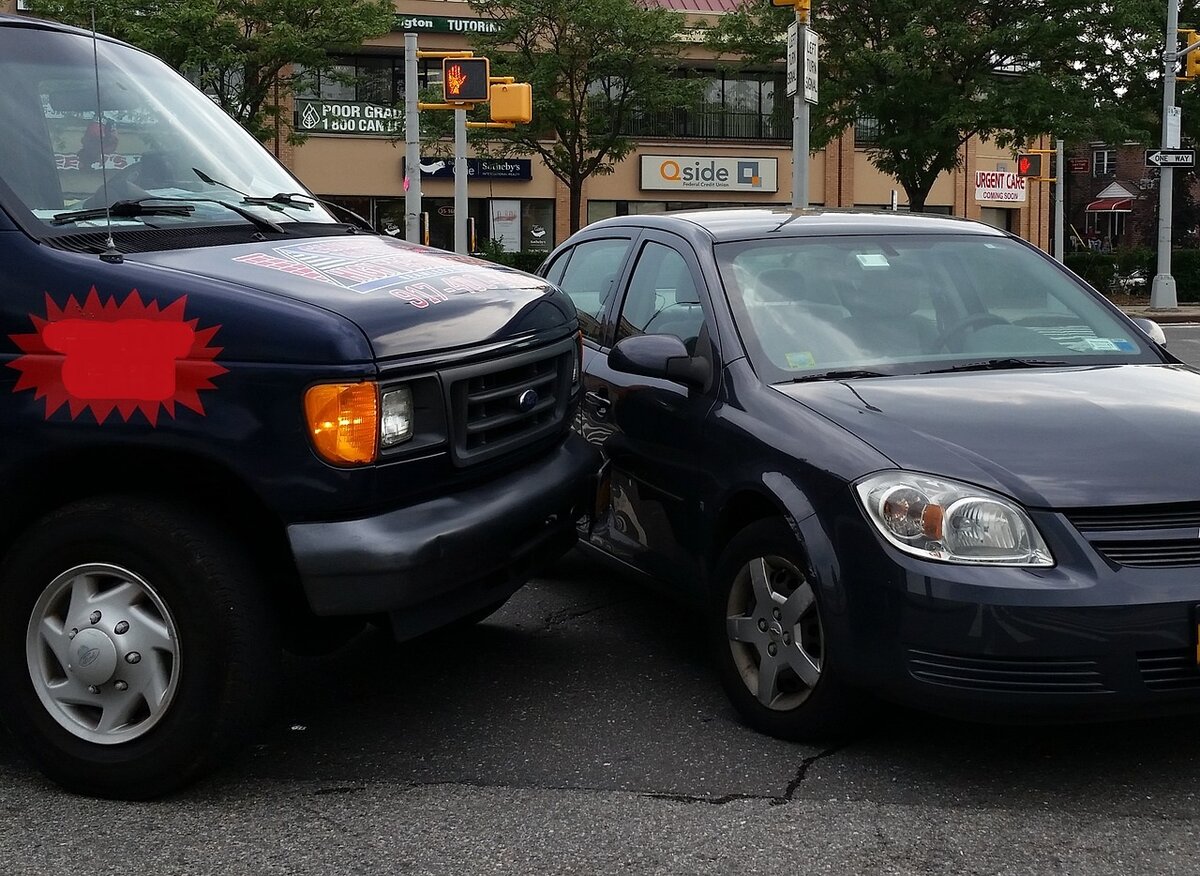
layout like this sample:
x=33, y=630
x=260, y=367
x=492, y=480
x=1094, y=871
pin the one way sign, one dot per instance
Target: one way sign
x=1170, y=158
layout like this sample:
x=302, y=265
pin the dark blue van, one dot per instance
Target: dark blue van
x=233, y=421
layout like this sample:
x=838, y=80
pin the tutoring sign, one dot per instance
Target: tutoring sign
x=999, y=186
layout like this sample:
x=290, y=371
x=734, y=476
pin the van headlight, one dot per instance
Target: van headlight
x=939, y=519
x=396, y=417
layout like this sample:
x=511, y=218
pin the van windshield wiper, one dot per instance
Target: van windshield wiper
x=147, y=207
x=298, y=200
x=121, y=210
x=998, y=365
x=847, y=374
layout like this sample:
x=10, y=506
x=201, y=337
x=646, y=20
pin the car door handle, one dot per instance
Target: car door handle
x=599, y=403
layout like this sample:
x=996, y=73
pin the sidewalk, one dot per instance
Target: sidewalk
x=1183, y=313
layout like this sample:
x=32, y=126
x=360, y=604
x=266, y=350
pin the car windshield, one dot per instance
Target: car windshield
x=858, y=306
x=148, y=131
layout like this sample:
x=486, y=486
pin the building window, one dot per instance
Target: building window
x=377, y=79
x=1104, y=162
x=730, y=106
x=866, y=131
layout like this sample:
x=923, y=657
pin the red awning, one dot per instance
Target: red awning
x=1111, y=205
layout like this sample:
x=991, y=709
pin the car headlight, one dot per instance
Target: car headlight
x=396, y=420
x=940, y=519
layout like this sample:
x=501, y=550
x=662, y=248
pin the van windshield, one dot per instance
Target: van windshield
x=74, y=142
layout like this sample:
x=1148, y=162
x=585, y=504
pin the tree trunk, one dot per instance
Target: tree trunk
x=575, y=194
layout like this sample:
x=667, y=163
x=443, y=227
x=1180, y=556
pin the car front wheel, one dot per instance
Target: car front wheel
x=773, y=650
x=136, y=645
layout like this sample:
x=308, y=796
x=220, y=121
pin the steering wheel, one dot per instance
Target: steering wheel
x=971, y=321
x=133, y=182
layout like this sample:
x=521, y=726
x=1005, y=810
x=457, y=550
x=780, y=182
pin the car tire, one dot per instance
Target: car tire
x=170, y=653
x=779, y=666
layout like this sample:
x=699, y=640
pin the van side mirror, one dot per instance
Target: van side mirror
x=661, y=356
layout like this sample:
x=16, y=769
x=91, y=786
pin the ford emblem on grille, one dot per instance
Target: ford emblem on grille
x=527, y=401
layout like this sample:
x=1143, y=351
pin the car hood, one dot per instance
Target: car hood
x=406, y=299
x=1060, y=438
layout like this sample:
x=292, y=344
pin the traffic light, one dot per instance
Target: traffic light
x=1191, y=64
x=512, y=102
x=1029, y=164
x=465, y=80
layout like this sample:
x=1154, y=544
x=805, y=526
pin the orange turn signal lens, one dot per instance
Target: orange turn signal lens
x=343, y=419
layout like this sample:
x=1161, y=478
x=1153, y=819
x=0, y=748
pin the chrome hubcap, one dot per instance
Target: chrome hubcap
x=775, y=632
x=103, y=653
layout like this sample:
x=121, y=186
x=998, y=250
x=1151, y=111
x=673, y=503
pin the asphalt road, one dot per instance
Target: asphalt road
x=580, y=731
x=1184, y=342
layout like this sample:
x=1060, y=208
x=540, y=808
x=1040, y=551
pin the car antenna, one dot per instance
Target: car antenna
x=111, y=254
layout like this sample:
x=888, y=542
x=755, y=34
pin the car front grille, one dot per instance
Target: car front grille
x=1147, y=536
x=1169, y=670
x=1010, y=674
x=501, y=405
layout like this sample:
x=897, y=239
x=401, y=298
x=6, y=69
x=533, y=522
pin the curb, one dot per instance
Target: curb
x=1164, y=317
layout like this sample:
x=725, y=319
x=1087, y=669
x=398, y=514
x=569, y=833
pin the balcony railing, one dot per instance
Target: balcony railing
x=711, y=125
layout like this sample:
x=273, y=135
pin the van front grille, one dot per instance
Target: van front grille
x=504, y=404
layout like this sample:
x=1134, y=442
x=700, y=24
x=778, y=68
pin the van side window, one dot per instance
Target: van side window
x=590, y=278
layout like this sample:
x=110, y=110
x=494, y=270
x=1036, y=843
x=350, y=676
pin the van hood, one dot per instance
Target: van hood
x=406, y=299
x=1051, y=438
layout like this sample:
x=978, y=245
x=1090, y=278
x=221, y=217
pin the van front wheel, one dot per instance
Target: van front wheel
x=136, y=645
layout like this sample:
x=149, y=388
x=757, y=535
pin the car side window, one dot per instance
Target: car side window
x=555, y=272
x=662, y=297
x=590, y=277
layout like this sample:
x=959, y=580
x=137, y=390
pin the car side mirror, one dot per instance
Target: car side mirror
x=1152, y=330
x=661, y=356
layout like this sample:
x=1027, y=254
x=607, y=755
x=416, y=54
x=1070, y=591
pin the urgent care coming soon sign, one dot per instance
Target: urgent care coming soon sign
x=705, y=173
x=998, y=185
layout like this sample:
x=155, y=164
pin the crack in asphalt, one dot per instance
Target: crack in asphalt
x=774, y=799
x=557, y=618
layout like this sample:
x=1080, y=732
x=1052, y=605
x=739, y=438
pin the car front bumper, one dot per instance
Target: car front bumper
x=1086, y=639
x=433, y=562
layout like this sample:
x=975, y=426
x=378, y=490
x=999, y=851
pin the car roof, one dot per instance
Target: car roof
x=740, y=223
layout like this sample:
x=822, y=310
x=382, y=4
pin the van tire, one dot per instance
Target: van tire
x=142, y=570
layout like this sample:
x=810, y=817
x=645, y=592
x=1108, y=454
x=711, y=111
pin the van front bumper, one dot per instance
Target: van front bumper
x=447, y=557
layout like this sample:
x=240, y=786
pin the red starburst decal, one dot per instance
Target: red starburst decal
x=125, y=357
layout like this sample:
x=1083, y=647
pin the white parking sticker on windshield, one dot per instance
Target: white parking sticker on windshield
x=1106, y=344
x=872, y=260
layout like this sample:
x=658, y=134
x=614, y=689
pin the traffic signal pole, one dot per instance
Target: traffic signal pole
x=412, y=143
x=1059, y=202
x=461, y=246
x=1162, y=290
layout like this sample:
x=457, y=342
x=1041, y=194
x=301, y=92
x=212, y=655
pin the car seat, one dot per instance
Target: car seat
x=882, y=304
x=27, y=161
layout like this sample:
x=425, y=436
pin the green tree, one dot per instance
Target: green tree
x=248, y=54
x=935, y=73
x=596, y=66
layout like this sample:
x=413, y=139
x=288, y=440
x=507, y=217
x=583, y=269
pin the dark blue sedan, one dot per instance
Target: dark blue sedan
x=904, y=455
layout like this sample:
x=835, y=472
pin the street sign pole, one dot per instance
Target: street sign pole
x=1162, y=290
x=800, y=122
x=412, y=143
